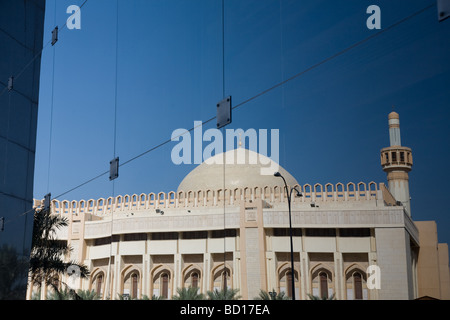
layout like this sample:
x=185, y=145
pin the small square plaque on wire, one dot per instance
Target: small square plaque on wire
x=223, y=112
x=47, y=201
x=54, y=35
x=114, y=169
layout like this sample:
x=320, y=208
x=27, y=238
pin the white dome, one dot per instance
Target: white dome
x=253, y=170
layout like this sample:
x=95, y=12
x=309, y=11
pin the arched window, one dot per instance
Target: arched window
x=285, y=281
x=357, y=280
x=131, y=282
x=194, y=280
x=165, y=285
x=355, y=283
x=222, y=279
x=323, y=285
x=97, y=283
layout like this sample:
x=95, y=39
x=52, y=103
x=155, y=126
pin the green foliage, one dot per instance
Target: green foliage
x=65, y=294
x=311, y=297
x=264, y=295
x=144, y=297
x=123, y=297
x=88, y=295
x=36, y=295
x=188, y=294
x=226, y=294
x=47, y=263
x=154, y=297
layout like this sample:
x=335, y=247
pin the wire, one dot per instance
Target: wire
x=16, y=77
x=81, y=6
x=130, y=160
x=115, y=84
x=51, y=112
x=294, y=76
x=81, y=184
x=7, y=138
x=166, y=142
x=37, y=55
x=223, y=131
x=281, y=53
x=353, y=46
x=223, y=49
x=333, y=56
x=19, y=215
x=109, y=277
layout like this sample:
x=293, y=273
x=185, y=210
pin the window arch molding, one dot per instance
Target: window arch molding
x=161, y=280
x=218, y=271
x=283, y=273
x=189, y=271
x=97, y=281
x=322, y=280
x=131, y=276
x=355, y=287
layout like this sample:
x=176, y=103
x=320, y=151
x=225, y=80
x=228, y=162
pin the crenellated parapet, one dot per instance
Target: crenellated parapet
x=215, y=198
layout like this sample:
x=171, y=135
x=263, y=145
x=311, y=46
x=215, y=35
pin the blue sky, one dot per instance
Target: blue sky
x=332, y=119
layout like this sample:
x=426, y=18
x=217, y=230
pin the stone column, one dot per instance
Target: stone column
x=206, y=272
x=303, y=275
x=252, y=247
x=394, y=260
x=338, y=276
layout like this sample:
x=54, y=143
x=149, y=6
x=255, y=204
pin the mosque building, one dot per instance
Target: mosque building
x=350, y=241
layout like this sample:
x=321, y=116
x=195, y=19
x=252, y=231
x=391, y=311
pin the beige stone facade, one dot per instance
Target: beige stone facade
x=162, y=242
x=350, y=241
x=434, y=275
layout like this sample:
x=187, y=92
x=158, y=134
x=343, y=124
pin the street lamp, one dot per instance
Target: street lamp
x=289, y=195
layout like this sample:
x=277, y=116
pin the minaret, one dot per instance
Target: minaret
x=396, y=161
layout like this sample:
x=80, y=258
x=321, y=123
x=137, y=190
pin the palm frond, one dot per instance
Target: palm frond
x=264, y=295
x=225, y=294
x=47, y=262
x=313, y=297
x=189, y=293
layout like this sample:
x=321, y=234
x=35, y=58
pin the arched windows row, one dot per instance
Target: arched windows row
x=322, y=283
x=161, y=281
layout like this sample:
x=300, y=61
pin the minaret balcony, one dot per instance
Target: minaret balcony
x=396, y=157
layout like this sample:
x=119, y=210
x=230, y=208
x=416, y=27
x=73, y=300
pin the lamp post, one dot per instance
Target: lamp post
x=289, y=194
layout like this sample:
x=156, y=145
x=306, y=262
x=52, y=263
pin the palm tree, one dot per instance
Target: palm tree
x=225, y=294
x=36, y=295
x=311, y=297
x=88, y=295
x=188, y=294
x=124, y=297
x=66, y=294
x=47, y=263
x=264, y=295
x=154, y=297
